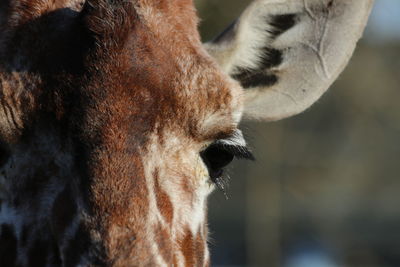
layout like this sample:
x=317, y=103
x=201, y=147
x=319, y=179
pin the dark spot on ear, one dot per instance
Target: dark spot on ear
x=252, y=77
x=270, y=58
x=281, y=23
x=249, y=79
x=8, y=246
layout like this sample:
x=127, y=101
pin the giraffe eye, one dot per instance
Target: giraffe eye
x=216, y=158
x=220, y=153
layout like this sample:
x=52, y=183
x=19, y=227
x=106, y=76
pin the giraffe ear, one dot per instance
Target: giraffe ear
x=286, y=53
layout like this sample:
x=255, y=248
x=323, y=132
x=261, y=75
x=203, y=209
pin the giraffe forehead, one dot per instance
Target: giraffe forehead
x=149, y=63
x=165, y=85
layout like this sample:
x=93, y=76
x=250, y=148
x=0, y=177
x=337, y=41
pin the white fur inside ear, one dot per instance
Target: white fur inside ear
x=286, y=53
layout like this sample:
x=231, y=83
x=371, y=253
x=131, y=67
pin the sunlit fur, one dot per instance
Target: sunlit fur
x=104, y=113
x=105, y=108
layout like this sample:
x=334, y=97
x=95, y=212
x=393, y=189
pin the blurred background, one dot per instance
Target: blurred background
x=325, y=189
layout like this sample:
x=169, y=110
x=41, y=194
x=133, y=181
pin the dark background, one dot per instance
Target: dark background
x=325, y=189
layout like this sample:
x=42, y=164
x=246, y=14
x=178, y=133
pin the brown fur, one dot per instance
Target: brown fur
x=188, y=249
x=116, y=81
x=164, y=203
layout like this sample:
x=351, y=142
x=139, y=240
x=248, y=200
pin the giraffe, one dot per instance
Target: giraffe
x=116, y=122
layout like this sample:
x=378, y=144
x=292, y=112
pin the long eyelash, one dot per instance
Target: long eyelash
x=222, y=184
x=240, y=152
x=236, y=146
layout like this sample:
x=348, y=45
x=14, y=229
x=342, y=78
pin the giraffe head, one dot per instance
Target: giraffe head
x=117, y=122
